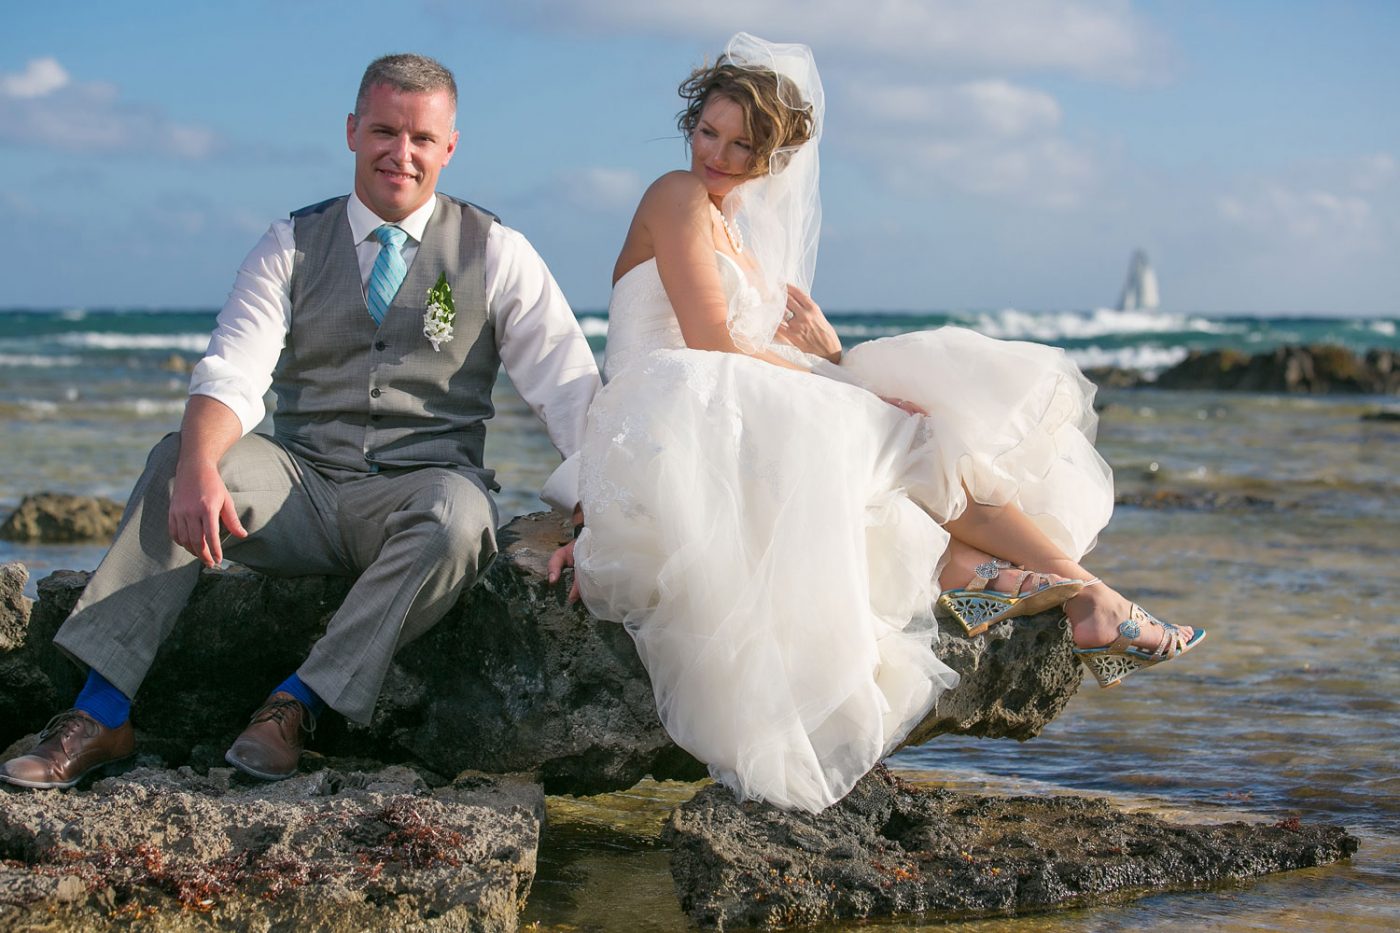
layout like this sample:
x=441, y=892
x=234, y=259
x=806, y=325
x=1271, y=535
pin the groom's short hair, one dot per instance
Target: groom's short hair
x=411, y=73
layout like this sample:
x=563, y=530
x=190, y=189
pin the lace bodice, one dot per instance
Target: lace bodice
x=641, y=319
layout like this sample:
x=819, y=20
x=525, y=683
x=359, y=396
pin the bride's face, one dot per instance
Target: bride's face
x=720, y=152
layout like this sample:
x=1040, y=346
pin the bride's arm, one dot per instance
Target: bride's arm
x=676, y=214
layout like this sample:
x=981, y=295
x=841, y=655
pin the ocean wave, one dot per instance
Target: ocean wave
x=1383, y=327
x=593, y=326
x=848, y=331
x=1148, y=360
x=75, y=404
x=97, y=340
x=38, y=361
x=145, y=407
x=1012, y=324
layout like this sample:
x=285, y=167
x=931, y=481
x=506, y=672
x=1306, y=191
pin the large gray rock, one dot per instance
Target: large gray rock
x=513, y=679
x=889, y=848
x=326, y=851
x=56, y=517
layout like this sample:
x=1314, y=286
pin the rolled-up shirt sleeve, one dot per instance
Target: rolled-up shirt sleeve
x=544, y=351
x=251, y=329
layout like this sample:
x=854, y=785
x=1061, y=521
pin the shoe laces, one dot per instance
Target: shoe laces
x=279, y=710
x=68, y=721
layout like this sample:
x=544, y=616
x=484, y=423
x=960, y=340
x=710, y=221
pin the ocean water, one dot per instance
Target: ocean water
x=1291, y=707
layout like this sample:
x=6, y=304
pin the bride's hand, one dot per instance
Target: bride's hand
x=564, y=557
x=904, y=405
x=807, y=329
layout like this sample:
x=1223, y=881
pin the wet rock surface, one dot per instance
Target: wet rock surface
x=1294, y=369
x=890, y=849
x=512, y=680
x=1193, y=500
x=333, y=850
x=53, y=518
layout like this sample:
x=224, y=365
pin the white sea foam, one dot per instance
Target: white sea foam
x=36, y=406
x=1150, y=360
x=593, y=326
x=152, y=406
x=1012, y=324
x=1384, y=328
x=868, y=331
x=190, y=343
x=38, y=361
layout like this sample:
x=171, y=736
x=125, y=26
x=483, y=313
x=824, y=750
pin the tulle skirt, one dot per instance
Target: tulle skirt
x=771, y=539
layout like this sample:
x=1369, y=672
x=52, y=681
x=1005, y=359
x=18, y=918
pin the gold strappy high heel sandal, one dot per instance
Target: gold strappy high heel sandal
x=1116, y=660
x=977, y=608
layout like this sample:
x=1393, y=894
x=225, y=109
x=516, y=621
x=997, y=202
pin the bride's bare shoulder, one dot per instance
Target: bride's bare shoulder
x=674, y=193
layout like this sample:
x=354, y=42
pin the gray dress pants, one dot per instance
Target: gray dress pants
x=414, y=539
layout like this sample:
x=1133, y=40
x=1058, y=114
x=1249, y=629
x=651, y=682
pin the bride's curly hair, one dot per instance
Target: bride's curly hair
x=775, y=115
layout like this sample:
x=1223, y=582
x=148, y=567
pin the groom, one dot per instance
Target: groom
x=374, y=468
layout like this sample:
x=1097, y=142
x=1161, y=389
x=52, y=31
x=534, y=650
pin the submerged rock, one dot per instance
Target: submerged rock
x=58, y=518
x=512, y=680
x=890, y=848
x=1193, y=500
x=325, y=851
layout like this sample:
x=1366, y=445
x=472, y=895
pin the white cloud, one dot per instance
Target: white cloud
x=594, y=190
x=991, y=138
x=981, y=108
x=40, y=77
x=1103, y=39
x=42, y=106
x=1316, y=215
x=1374, y=172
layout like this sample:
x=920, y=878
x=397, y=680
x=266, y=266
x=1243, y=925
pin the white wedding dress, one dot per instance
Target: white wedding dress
x=771, y=540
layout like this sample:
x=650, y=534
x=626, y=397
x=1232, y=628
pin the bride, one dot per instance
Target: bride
x=774, y=521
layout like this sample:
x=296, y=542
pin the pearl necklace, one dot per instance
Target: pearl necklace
x=735, y=235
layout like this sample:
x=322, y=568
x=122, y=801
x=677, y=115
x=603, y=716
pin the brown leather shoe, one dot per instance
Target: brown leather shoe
x=71, y=745
x=270, y=747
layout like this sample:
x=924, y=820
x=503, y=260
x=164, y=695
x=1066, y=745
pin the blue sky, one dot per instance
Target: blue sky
x=978, y=153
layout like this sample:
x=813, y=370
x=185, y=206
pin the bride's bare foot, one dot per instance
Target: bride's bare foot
x=980, y=590
x=1096, y=612
x=966, y=564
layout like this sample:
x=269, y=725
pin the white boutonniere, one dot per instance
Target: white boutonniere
x=437, y=320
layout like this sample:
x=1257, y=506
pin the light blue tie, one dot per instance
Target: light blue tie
x=388, y=272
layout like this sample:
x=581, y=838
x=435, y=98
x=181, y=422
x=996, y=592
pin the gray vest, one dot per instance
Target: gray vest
x=353, y=395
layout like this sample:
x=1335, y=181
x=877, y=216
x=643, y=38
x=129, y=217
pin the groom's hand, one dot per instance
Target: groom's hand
x=199, y=503
x=564, y=557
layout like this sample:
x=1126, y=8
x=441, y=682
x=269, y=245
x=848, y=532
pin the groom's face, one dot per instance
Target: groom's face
x=401, y=140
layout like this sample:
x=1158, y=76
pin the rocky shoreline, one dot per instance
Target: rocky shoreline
x=890, y=848
x=1313, y=370
x=435, y=809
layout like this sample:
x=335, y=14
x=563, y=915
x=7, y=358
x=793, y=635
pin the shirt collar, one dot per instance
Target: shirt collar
x=363, y=221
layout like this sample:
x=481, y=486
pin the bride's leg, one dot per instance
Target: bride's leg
x=1006, y=532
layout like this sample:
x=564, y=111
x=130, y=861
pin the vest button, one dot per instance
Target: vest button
x=380, y=345
x=374, y=393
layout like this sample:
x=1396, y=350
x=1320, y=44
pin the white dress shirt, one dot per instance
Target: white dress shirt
x=544, y=352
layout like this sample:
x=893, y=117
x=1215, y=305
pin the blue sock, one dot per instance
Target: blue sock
x=103, y=702
x=302, y=692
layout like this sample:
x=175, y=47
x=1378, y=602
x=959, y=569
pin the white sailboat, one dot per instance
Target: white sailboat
x=1140, y=290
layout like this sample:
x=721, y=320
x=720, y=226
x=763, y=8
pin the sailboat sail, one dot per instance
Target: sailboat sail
x=1140, y=290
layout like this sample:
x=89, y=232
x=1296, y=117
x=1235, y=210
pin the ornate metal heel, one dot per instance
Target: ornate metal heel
x=977, y=608
x=1116, y=660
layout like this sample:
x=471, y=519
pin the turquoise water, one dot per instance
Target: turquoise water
x=1288, y=709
